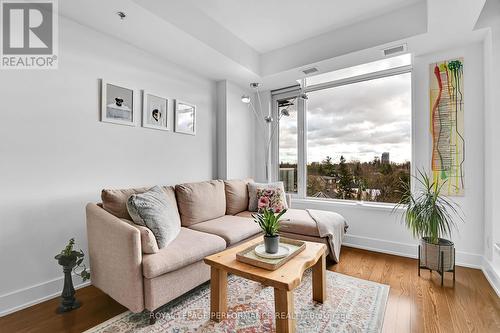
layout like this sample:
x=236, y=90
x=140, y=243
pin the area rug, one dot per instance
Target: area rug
x=352, y=305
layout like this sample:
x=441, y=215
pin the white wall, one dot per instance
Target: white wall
x=235, y=132
x=469, y=238
x=56, y=156
x=492, y=156
x=377, y=228
x=240, y=125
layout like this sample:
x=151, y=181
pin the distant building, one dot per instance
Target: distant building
x=385, y=158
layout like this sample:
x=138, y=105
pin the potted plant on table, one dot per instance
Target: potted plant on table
x=269, y=222
x=430, y=216
x=70, y=260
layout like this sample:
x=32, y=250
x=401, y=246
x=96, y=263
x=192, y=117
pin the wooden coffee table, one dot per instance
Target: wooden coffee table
x=284, y=280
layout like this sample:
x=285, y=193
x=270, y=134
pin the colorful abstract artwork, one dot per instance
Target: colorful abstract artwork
x=447, y=125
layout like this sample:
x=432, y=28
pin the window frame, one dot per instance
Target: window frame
x=301, y=195
x=289, y=93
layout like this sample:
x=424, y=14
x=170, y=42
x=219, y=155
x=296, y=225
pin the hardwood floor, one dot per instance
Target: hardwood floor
x=416, y=304
x=96, y=308
x=420, y=304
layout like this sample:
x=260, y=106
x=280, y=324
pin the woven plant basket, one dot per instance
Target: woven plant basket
x=430, y=254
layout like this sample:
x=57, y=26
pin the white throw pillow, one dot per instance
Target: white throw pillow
x=152, y=209
x=257, y=191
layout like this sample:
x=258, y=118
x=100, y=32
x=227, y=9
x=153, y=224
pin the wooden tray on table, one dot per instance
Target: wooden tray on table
x=248, y=256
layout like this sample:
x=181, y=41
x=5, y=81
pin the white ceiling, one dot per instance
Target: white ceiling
x=268, y=25
x=192, y=39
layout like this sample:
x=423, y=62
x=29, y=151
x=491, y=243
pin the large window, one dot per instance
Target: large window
x=358, y=134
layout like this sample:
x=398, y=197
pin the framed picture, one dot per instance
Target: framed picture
x=185, y=117
x=154, y=111
x=118, y=104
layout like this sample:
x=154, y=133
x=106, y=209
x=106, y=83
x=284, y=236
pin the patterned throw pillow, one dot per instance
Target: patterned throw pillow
x=278, y=198
x=270, y=198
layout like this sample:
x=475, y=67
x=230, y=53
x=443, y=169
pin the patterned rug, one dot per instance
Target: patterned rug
x=353, y=305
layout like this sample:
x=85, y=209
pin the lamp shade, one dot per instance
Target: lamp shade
x=245, y=99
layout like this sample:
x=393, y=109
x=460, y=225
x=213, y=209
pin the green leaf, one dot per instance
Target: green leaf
x=268, y=221
x=428, y=213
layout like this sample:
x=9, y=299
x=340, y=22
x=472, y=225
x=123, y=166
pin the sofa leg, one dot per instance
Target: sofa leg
x=152, y=317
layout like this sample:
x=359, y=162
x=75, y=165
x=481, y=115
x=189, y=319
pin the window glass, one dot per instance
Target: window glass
x=288, y=144
x=358, y=140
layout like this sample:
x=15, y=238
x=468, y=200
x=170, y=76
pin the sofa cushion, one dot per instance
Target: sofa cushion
x=189, y=247
x=236, y=195
x=114, y=201
x=247, y=214
x=148, y=240
x=232, y=228
x=152, y=209
x=295, y=221
x=200, y=202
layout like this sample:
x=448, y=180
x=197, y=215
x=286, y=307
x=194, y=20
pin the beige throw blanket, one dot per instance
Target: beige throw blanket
x=332, y=226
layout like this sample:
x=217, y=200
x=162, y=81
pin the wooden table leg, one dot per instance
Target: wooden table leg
x=218, y=294
x=319, y=280
x=284, y=312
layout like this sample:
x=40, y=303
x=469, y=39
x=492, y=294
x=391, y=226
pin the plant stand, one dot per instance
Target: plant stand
x=68, y=301
x=440, y=269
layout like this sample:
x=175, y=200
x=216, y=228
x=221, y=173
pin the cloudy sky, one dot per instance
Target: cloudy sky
x=359, y=121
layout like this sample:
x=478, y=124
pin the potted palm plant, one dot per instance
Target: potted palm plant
x=430, y=216
x=269, y=222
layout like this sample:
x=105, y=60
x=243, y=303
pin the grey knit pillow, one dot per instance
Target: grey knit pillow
x=151, y=209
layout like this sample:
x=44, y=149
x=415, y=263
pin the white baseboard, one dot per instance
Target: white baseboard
x=464, y=259
x=26, y=297
x=491, y=275
x=379, y=245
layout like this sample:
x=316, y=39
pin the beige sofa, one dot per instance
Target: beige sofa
x=213, y=216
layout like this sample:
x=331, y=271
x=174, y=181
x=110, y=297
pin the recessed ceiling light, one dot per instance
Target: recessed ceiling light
x=121, y=15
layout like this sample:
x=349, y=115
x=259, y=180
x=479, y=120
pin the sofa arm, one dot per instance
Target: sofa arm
x=289, y=200
x=115, y=257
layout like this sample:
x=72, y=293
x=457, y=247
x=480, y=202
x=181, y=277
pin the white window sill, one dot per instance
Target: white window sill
x=348, y=203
